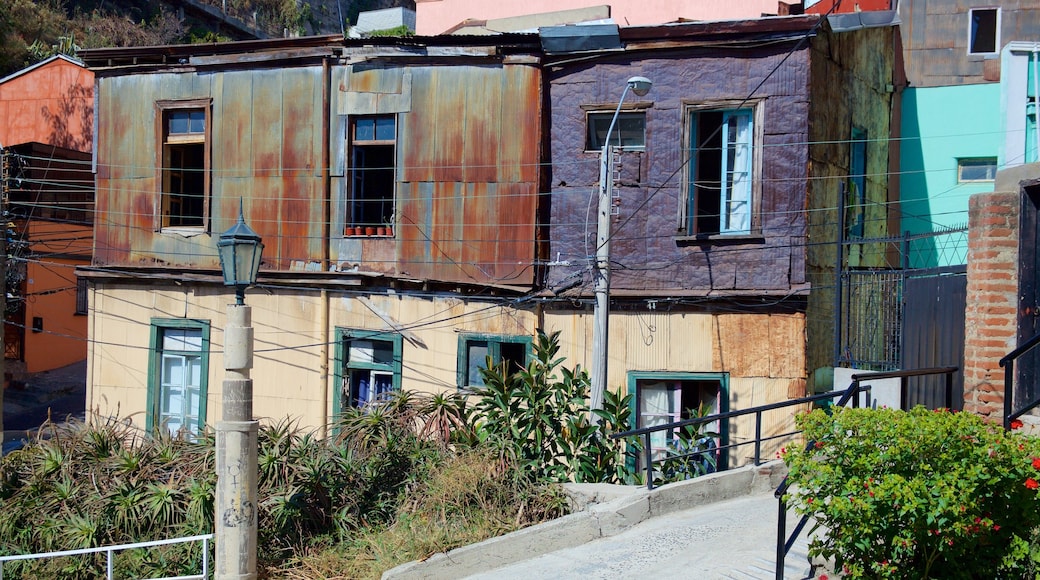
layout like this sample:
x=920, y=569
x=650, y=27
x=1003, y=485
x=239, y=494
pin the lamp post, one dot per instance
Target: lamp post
x=240, y=250
x=640, y=86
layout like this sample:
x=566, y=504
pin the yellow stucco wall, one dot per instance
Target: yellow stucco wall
x=762, y=355
x=294, y=347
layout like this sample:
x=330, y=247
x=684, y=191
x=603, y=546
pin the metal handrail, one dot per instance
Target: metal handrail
x=204, y=538
x=1009, y=377
x=757, y=441
x=784, y=543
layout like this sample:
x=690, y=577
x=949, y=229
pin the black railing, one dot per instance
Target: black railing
x=646, y=432
x=783, y=542
x=1008, y=363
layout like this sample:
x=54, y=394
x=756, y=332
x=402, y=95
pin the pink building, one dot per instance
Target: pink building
x=439, y=16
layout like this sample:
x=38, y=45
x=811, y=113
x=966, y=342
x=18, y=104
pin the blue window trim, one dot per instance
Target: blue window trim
x=342, y=367
x=495, y=342
x=158, y=327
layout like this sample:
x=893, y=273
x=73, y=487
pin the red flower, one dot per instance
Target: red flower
x=1036, y=463
x=1032, y=483
x=819, y=444
x=996, y=528
x=1016, y=424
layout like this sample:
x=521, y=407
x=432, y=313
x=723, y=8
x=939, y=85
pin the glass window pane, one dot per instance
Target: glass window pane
x=172, y=370
x=977, y=169
x=173, y=401
x=631, y=127
x=385, y=128
x=178, y=122
x=197, y=122
x=189, y=339
x=371, y=351
x=476, y=359
x=364, y=129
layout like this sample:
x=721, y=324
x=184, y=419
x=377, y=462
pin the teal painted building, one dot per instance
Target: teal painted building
x=946, y=155
x=958, y=128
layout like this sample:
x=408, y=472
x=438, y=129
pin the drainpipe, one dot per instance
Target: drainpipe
x=326, y=237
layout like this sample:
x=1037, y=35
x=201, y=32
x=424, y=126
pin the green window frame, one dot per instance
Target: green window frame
x=636, y=378
x=368, y=365
x=178, y=376
x=475, y=348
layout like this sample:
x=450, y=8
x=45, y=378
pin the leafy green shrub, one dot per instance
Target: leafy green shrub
x=918, y=494
x=539, y=416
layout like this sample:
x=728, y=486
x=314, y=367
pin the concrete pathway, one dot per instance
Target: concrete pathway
x=722, y=525
x=729, y=539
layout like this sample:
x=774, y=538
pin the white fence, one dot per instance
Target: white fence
x=110, y=550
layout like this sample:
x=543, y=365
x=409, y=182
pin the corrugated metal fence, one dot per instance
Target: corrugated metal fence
x=910, y=315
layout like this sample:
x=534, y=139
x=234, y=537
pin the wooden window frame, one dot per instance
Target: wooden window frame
x=162, y=111
x=687, y=215
x=355, y=223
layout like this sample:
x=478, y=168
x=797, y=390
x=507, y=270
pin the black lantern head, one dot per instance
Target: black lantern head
x=240, y=251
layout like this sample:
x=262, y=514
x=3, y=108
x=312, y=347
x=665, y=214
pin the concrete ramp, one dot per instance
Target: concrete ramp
x=718, y=526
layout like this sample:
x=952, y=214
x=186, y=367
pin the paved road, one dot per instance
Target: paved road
x=732, y=539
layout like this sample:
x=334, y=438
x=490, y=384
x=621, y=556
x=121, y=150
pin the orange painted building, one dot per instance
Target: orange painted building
x=50, y=102
x=47, y=113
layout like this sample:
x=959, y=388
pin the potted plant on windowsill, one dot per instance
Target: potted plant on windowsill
x=370, y=230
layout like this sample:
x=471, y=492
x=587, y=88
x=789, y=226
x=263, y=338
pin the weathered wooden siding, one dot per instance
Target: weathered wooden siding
x=863, y=63
x=648, y=250
x=755, y=351
x=266, y=151
x=468, y=151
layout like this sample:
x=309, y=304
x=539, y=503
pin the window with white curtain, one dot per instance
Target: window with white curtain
x=667, y=400
x=178, y=381
x=720, y=195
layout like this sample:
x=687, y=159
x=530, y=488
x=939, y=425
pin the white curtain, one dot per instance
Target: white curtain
x=736, y=186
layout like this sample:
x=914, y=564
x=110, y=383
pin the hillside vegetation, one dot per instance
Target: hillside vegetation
x=32, y=30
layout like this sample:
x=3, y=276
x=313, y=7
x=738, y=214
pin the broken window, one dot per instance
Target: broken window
x=185, y=168
x=373, y=141
x=719, y=199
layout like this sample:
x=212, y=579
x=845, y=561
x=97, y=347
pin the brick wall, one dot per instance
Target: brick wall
x=991, y=313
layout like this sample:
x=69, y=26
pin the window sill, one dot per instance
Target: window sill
x=187, y=232
x=719, y=239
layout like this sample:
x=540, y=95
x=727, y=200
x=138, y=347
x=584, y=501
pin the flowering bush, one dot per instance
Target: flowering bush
x=918, y=494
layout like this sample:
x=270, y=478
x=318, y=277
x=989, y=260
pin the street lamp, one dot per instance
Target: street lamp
x=640, y=86
x=240, y=251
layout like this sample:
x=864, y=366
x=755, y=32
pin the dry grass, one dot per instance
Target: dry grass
x=468, y=498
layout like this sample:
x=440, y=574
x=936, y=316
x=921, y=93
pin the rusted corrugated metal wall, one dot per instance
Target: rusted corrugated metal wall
x=468, y=155
x=265, y=150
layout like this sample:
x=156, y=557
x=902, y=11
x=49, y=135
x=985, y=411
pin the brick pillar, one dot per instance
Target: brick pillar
x=991, y=314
